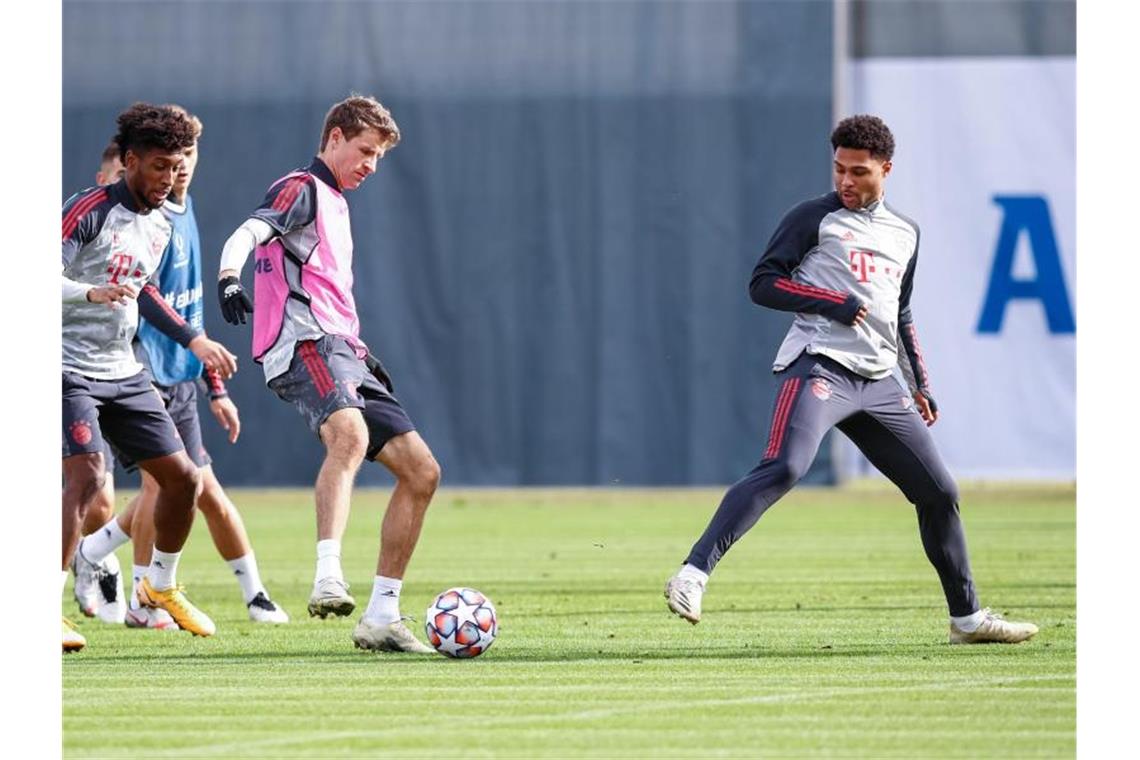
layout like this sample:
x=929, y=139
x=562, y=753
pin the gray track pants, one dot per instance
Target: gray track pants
x=815, y=395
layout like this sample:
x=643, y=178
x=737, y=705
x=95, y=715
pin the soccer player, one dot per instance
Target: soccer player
x=175, y=371
x=99, y=590
x=845, y=263
x=306, y=336
x=112, y=244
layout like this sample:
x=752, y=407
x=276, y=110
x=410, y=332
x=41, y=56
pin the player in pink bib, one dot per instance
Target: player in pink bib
x=306, y=336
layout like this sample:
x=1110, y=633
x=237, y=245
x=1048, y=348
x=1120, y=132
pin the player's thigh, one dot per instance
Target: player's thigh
x=182, y=406
x=322, y=379
x=903, y=450
x=387, y=421
x=137, y=424
x=82, y=398
x=409, y=458
x=814, y=393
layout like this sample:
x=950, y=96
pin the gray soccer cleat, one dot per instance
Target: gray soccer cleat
x=330, y=597
x=86, y=584
x=993, y=629
x=392, y=637
x=684, y=595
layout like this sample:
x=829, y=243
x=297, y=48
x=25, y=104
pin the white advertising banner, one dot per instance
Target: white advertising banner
x=985, y=163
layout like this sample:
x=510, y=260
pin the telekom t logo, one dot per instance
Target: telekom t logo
x=862, y=263
x=120, y=267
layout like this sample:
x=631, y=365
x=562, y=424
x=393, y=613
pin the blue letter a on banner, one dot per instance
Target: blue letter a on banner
x=1029, y=213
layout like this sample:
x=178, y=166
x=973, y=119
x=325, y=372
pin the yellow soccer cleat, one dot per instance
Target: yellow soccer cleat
x=188, y=617
x=73, y=640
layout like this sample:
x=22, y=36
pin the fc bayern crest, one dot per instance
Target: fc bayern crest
x=81, y=432
x=821, y=388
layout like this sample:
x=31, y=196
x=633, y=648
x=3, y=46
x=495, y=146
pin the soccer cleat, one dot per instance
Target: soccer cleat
x=186, y=615
x=391, y=637
x=109, y=580
x=994, y=629
x=86, y=586
x=73, y=640
x=262, y=609
x=684, y=595
x=330, y=597
x=150, y=617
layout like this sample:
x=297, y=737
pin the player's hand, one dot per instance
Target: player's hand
x=378, y=372
x=926, y=407
x=214, y=355
x=226, y=413
x=235, y=303
x=860, y=316
x=113, y=295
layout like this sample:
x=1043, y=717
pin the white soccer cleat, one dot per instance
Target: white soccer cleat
x=684, y=595
x=330, y=597
x=109, y=582
x=994, y=629
x=86, y=587
x=262, y=609
x=391, y=637
x=154, y=618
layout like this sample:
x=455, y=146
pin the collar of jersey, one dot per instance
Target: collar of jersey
x=321, y=170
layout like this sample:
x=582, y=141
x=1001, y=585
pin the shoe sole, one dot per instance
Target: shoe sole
x=370, y=647
x=69, y=648
x=325, y=607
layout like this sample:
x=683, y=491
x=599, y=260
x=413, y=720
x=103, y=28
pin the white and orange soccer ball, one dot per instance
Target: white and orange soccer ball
x=461, y=622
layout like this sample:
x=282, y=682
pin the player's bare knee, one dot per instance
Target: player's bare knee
x=85, y=476
x=423, y=476
x=345, y=436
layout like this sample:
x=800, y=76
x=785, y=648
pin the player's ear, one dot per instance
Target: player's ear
x=886, y=168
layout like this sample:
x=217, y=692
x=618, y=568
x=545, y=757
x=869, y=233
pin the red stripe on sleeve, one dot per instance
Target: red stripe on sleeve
x=80, y=210
x=167, y=308
x=809, y=291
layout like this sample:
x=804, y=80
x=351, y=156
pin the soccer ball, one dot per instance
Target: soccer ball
x=461, y=622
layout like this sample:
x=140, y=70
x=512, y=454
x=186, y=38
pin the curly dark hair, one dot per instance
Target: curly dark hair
x=864, y=132
x=145, y=126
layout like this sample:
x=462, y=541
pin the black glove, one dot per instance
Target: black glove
x=235, y=303
x=929, y=399
x=377, y=369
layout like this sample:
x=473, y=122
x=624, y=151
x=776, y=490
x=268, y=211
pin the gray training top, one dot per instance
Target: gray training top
x=823, y=262
x=107, y=241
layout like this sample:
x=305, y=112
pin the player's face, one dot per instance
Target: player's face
x=151, y=174
x=859, y=177
x=110, y=172
x=352, y=161
x=186, y=174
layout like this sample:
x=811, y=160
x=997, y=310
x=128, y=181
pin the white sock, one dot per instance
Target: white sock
x=328, y=559
x=969, y=623
x=138, y=572
x=103, y=541
x=245, y=570
x=384, y=606
x=700, y=576
x=162, y=569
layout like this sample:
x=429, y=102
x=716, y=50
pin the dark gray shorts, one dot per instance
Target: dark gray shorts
x=129, y=413
x=325, y=376
x=181, y=401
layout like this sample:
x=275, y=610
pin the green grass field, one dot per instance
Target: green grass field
x=824, y=633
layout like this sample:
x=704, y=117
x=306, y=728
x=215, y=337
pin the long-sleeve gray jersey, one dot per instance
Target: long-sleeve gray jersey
x=823, y=262
x=106, y=241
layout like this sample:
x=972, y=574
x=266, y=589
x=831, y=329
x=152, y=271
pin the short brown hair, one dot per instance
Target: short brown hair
x=357, y=113
x=195, y=122
x=144, y=126
x=110, y=153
